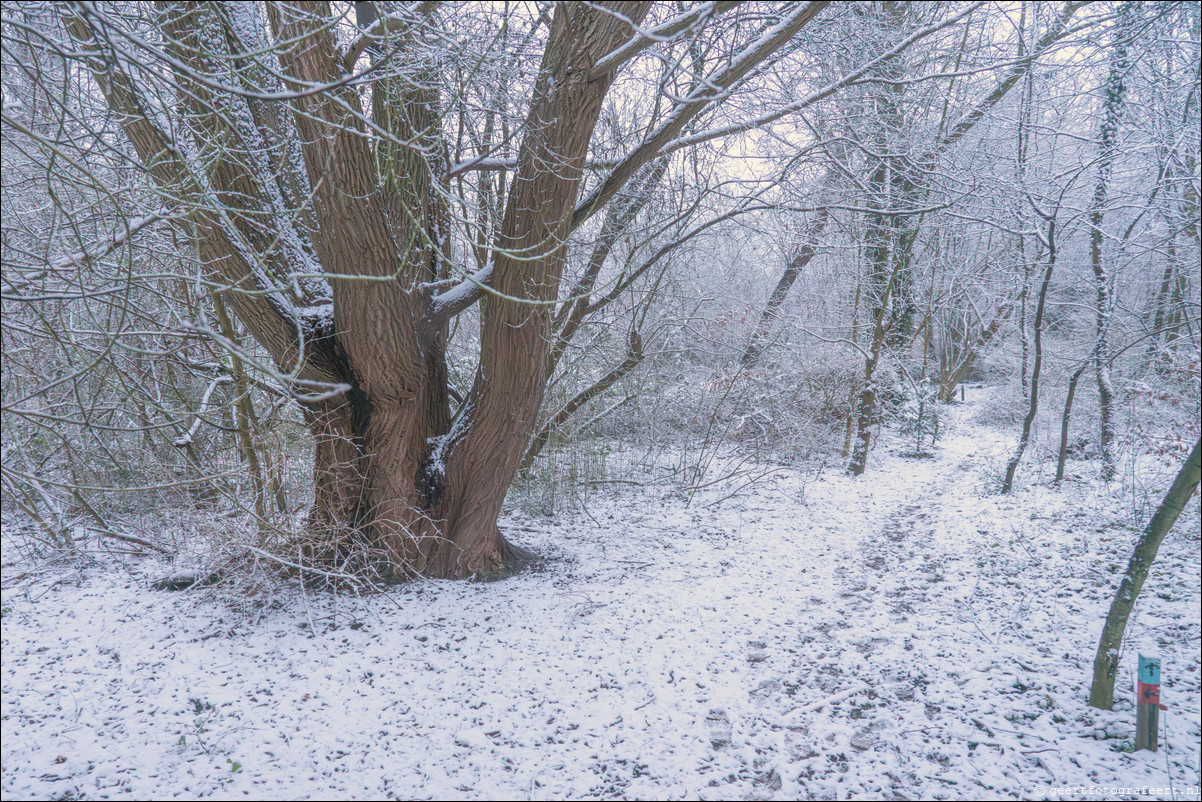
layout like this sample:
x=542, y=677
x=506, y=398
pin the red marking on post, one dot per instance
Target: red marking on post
x=1149, y=694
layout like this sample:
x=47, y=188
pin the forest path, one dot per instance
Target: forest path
x=900, y=563
x=907, y=634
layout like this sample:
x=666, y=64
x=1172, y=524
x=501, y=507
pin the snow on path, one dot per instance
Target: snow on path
x=908, y=634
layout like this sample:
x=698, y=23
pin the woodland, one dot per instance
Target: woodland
x=719, y=312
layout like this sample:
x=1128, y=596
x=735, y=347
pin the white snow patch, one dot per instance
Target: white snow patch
x=908, y=634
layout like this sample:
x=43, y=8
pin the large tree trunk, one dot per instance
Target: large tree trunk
x=396, y=483
x=485, y=445
x=391, y=469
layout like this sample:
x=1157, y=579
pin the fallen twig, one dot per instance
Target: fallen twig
x=816, y=706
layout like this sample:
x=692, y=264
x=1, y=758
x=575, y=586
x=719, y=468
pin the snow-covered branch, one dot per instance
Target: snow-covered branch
x=749, y=58
x=823, y=93
x=666, y=32
x=65, y=266
x=185, y=440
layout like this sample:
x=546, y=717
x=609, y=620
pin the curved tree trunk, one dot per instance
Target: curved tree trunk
x=1062, y=457
x=1106, y=661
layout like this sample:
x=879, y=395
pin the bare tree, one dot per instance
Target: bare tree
x=316, y=192
x=1048, y=242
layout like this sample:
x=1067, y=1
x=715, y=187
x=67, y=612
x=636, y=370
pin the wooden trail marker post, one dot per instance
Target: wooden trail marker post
x=1147, y=703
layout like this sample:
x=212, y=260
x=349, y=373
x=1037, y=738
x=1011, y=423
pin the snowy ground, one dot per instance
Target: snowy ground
x=910, y=634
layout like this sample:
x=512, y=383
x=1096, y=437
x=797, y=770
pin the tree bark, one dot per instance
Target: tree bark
x=1106, y=661
x=485, y=444
x=1026, y=102
x=1112, y=109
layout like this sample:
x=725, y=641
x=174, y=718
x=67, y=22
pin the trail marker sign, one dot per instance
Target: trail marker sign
x=1147, y=703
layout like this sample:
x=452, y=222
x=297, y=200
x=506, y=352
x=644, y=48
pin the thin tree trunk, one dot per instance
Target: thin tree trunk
x=1167, y=203
x=1179, y=318
x=634, y=356
x=1106, y=661
x=755, y=345
x=865, y=408
x=1111, y=114
x=243, y=415
x=887, y=188
x=1026, y=101
x=1161, y=305
x=886, y=268
x=849, y=427
x=1181, y=213
x=1023, y=338
x=1037, y=365
x=618, y=219
x=1062, y=457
